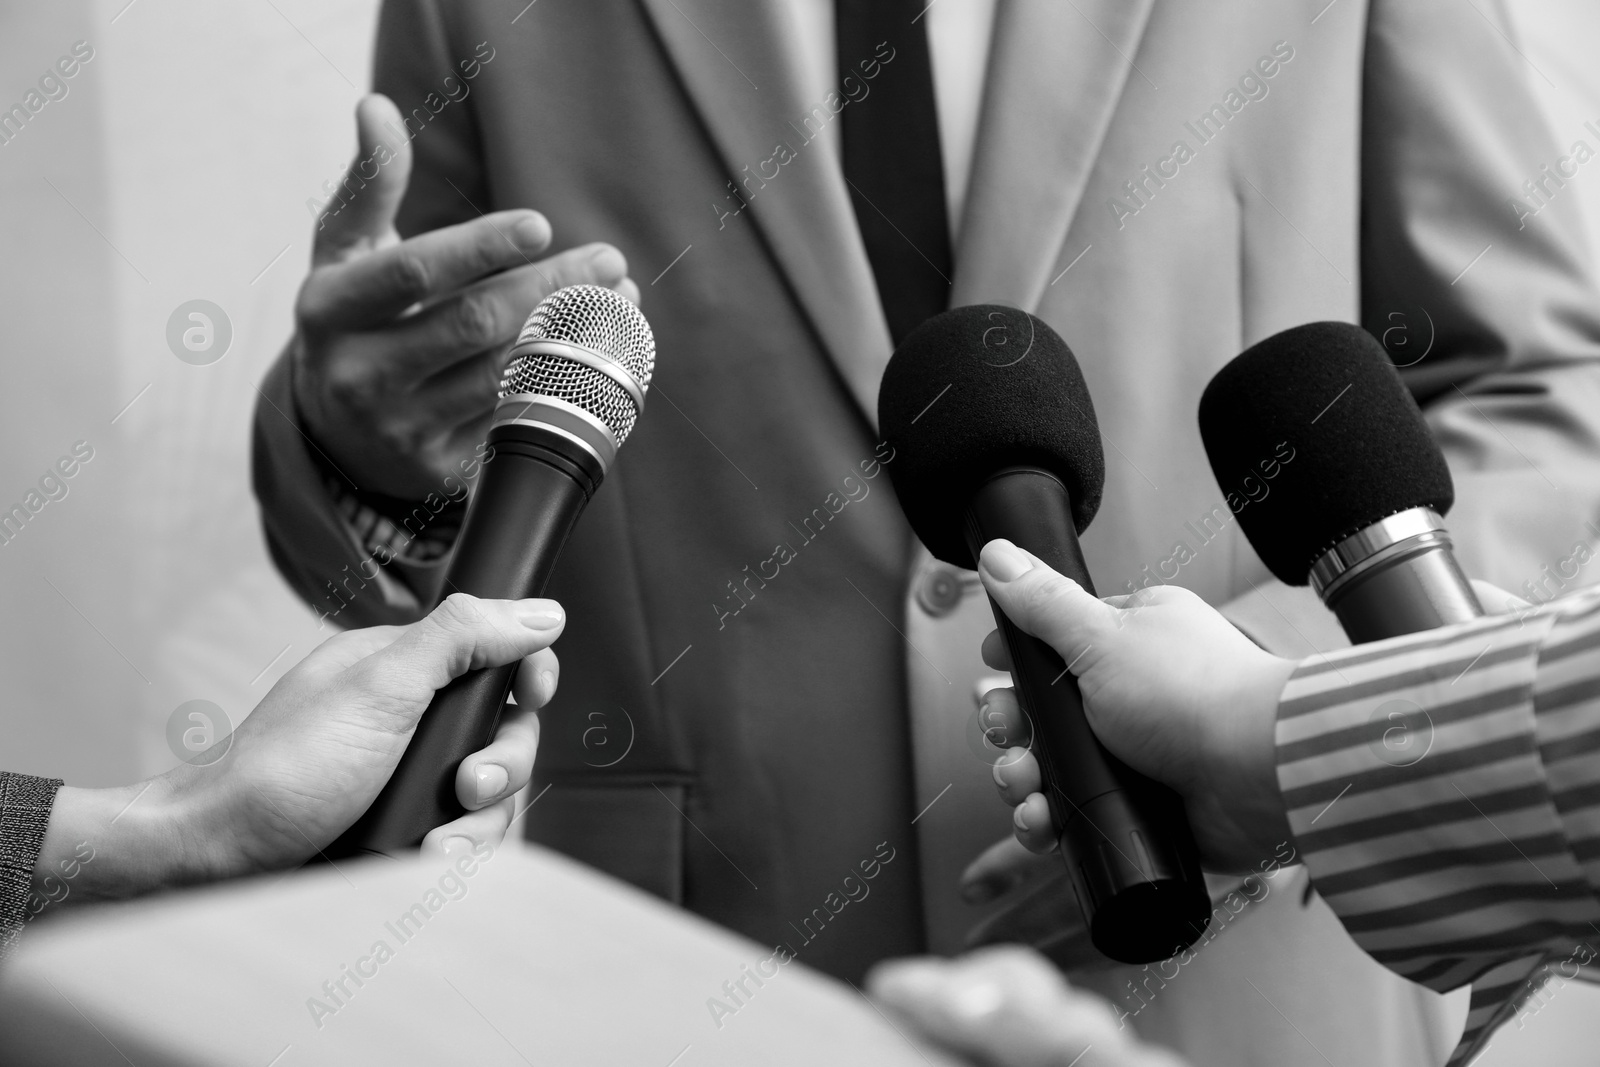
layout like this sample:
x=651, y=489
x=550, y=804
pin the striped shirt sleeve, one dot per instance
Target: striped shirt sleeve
x=1444, y=792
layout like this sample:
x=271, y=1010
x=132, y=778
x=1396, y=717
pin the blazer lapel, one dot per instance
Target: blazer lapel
x=1056, y=71
x=745, y=83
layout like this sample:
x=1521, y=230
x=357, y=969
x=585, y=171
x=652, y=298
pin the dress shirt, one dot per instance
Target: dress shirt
x=1444, y=792
x=958, y=41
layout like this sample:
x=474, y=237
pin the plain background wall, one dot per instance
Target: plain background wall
x=177, y=168
x=187, y=149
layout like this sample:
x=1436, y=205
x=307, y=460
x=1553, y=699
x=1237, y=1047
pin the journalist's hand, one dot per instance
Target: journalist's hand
x=1169, y=686
x=315, y=753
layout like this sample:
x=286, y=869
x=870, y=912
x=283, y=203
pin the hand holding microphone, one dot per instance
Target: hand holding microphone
x=572, y=393
x=398, y=342
x=310, y=757
x=995, y=437
x=1171, y=686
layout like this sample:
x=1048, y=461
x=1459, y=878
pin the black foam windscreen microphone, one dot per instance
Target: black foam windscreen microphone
x=573, y=389
x=1336, y=479
x=994, y=435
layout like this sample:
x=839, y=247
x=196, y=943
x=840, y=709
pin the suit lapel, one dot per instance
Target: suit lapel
x=1056, y=71
x=745, y=83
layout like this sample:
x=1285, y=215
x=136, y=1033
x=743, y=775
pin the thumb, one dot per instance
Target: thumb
x=1042, y=602
x=464, y=633
x=359, y=214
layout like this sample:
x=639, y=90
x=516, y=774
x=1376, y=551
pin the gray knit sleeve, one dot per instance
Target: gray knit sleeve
x=25, y=804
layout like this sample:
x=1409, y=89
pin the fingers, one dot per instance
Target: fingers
x=1003, y=722
x=505, y=766
x=537, y=679
x=362, y=292
x=995, y=653
x=488, y=314
x=1016, y=775
x=484, y=316
x=1042, y=602
x=473, y=830
x=1002, y=867
x=1006, y=1006
x=361, y=213
x=459, y=399
x=1016, y=772
x=465, y=633
x=1032, y=825
x=501, y=769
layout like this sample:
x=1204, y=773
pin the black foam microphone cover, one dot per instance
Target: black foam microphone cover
x=1313, y=437
x=1007, y=391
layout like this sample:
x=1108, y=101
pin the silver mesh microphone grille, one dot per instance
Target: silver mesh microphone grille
x=604, y=325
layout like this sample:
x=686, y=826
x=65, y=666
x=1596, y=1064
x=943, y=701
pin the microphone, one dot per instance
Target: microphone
x=1358, y=510
x=994, y=435
x=573, y=389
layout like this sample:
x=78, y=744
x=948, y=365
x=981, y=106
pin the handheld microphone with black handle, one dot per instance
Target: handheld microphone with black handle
x=572, y=392
x=994, y=435
x=1357, y=511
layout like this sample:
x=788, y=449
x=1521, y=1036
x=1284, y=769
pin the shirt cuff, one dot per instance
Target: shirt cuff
x=1413, y=784
x=1567, y=727
x=25, y=804
x=390, y=528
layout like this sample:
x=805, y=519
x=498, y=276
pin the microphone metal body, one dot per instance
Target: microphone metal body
x=1397, y=576
x=1124, y=838
x=572, y=392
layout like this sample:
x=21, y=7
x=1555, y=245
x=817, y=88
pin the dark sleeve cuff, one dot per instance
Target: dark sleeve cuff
x=340, y=573
x=25, y=804
x=388, y=527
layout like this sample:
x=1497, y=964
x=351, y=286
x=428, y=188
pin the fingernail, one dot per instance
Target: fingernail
x=532, y=231
x=1019, y=819
x=455, y=844
x=492, y=779
x=1004, y=561
x=543, y=619
x=608, y=263
x=547, y=683
x=1002, y=761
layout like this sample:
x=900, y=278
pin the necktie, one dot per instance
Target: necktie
x=892, y=162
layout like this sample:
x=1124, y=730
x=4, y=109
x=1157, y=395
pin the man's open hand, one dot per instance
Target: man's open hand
x=399, y=345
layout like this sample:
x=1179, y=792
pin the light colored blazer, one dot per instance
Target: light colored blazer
x=1165, y=183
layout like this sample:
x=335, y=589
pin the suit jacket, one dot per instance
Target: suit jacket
x=1164, y=183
